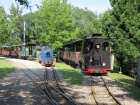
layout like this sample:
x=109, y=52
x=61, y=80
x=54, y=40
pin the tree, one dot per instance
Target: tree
x=31, y=34
x=16, y=25
x=4, y=28
x=87, y=22
x=57, y=23
x=24, y=2
x=123, y=25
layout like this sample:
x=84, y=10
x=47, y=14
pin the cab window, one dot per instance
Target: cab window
x=105, y=46
x=89, y=46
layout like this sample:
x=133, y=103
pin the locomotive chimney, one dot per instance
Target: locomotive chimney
x=96, y=35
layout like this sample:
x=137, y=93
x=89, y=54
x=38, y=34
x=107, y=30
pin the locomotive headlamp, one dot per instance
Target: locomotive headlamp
x=97, y=46
x=104, y=64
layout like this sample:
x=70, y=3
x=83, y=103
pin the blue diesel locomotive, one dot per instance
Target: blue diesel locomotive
x=46, y=56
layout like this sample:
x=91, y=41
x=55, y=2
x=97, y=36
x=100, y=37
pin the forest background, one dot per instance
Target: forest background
x=56, y=23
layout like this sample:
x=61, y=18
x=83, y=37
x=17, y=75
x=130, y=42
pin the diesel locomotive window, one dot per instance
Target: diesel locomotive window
x=47, y=54
x=43, y=48
x=105, y=46
x=49, y=48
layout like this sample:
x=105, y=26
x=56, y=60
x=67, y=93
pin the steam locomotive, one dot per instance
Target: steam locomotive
x=93, y=55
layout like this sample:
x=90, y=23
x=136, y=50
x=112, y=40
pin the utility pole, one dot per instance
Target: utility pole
x=24, y=32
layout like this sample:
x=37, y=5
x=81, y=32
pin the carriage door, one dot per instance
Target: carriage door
x=30, y=50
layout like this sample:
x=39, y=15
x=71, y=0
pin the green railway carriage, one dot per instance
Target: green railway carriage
x=27, y=51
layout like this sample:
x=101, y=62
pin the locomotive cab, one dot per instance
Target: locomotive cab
x=96, y=55
x=47, y=58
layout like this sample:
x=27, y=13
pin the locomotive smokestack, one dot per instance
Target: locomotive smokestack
x=96, y=35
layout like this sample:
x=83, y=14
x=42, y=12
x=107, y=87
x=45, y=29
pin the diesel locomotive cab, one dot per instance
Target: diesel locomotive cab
x=47, y=58
x=96, y=55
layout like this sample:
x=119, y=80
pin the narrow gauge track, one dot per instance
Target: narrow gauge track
x=45, y=84
x=48, y=89
x=69, y=99
x=44, y=90
x=101, y=92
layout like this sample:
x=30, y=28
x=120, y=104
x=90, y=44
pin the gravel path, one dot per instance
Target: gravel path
x=17, y=89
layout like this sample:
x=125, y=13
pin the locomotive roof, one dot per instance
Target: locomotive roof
x=78, y=42
x=6, y=46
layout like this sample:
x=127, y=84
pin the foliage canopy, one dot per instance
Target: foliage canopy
x=122, y=23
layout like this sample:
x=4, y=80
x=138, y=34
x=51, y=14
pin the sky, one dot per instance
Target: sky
x=97, y=6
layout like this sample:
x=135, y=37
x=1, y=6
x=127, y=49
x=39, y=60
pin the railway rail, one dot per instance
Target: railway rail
x=101, y=92
x=45, y=92
x=46, y=88
x=68, y=99
x=99, y=89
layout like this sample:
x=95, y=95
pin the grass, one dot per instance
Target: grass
x=5, y=68
x=74, y=77
x=71, y=75
x=126, y=82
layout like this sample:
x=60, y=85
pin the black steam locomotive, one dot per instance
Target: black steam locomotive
x=91, y=54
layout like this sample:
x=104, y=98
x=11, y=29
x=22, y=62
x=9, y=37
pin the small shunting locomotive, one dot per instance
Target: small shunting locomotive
x=45, y=55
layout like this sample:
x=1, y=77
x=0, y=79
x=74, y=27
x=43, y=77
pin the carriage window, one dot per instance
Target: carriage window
x=30, y=48
x=33, y=47
x=89, y=46
x=78, y=48
x=105, y=46
x=19, y=48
